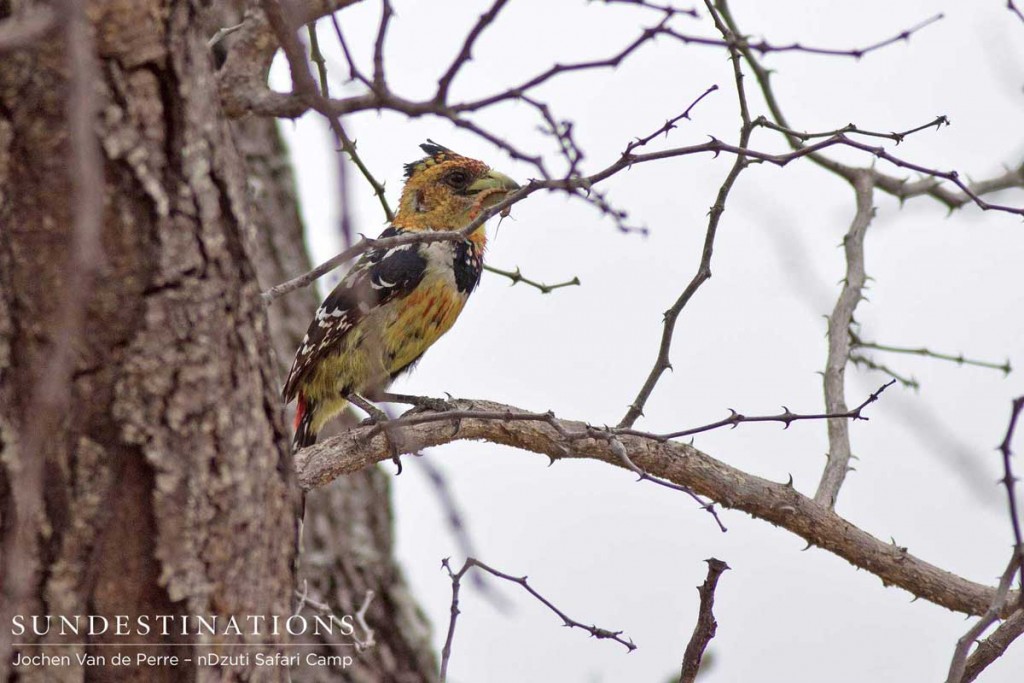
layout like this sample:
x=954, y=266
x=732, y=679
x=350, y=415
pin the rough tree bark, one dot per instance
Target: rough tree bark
x=167, y=481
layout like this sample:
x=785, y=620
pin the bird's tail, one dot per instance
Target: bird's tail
x=304, y=436
x=304, y=412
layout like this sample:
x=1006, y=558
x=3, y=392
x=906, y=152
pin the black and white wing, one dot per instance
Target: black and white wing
x=378, y=277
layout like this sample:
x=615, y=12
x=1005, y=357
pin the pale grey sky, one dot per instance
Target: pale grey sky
x=627, y=555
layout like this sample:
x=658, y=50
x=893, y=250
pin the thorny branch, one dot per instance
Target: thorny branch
x=342, y=138
x=516, y=276
x=415, y=417
x=1010, y=482
x=387, y=12
x=963, y=669
x=282, y=18
x=839, y=322
x=763, y=47
x=786, y=418
x=664, y=9
x=679, y=463
x=900, y=188
x=706, y=626
x=863, y=361
x=852, y=129
x=471, y=562
x=240, y=95
x=349, y=146
x=713, y=146
x=669, y=125
x=466, y=53
x=620, y=450
x=991, y=615
x=610, y=434
x=1010, y=5
x=959, y=359
x=703, y=274
x=993, y=647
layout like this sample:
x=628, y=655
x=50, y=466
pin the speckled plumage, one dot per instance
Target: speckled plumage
x=395, y=303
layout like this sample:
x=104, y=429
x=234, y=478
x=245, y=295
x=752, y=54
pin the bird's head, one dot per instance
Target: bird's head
x=445, y=190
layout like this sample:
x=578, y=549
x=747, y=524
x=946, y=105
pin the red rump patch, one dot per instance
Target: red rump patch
x=300, y=411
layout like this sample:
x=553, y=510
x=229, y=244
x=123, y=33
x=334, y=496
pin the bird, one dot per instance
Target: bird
x=394, y=303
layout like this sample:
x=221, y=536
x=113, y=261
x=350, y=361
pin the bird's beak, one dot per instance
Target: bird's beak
x=493, y=183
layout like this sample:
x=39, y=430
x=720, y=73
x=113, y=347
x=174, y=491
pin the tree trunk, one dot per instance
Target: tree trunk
x=166, y=481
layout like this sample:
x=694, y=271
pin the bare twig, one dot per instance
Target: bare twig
x=471, y=562
x=763, y=47
x=379, y=82
x=839, y=323
x=354, y=74
x=349, y=146
x=562, y=131
x=612, y=62
x=863, y=361
x=302, y=80
x=466, y=52
x=853, y=129
x=516, y=277
x=999, y=600
x=959, y=359
x=1009, y=481
x=668, y=125
x=620, y=451
x=1013, y=8
x=665, y=9
x=706, y=626
x=993, y=647
x=898, y=187
x=341, y=140
x=703, y=274
x=318, y=58
x=786, y=418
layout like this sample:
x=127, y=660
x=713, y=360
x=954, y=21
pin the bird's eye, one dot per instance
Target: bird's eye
x=457, y=178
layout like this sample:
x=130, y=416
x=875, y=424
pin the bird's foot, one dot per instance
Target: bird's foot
x=379, y=419
x=374, y=414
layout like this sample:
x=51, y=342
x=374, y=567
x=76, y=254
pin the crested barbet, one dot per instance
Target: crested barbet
x=395, y=303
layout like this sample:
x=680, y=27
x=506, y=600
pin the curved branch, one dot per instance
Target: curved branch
x=834, y=378
x=779, y=504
